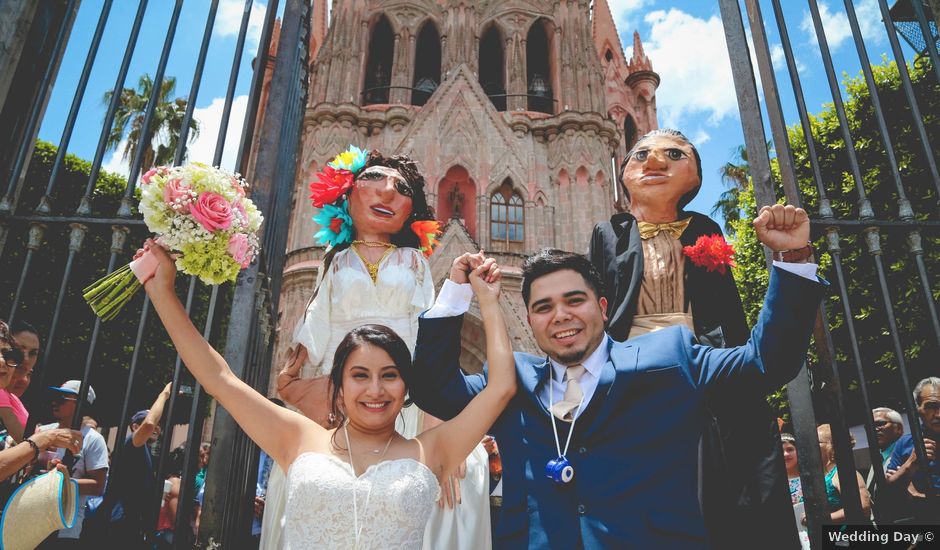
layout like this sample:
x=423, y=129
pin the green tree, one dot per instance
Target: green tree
x=879, y=362
x=159, y=147
x=115, y=343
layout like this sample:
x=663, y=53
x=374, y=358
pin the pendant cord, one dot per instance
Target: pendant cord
x=551, y=403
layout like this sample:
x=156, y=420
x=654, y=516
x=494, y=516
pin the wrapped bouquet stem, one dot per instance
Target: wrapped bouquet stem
x=200, y=214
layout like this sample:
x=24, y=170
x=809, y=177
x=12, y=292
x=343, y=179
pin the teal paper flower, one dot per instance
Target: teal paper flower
x=336, y=225
x=353, y=159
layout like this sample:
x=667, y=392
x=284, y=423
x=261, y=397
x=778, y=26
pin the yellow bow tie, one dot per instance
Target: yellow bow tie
x=650, y=230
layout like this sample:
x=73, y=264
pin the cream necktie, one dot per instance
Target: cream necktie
x=565, y=409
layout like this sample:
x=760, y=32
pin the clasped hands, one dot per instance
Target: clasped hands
x=483, y=274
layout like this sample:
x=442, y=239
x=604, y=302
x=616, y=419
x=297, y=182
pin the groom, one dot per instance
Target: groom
x=632, y=410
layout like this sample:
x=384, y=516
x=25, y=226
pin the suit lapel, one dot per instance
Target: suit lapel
x=534, y=380
x=618, y=370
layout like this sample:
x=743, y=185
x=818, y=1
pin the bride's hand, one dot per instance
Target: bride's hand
x=164, y=279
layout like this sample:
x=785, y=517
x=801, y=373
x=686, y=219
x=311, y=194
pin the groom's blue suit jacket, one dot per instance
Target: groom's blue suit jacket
x=635, y=446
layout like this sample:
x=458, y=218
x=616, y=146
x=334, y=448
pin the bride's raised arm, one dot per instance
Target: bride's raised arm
x=449, y=444
x=279, y=432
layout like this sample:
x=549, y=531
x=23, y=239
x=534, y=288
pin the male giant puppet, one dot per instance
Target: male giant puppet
x=651, y=283
x=615, y=462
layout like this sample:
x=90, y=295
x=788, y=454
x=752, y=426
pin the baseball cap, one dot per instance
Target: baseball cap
x=139, y=416
x=72, y=386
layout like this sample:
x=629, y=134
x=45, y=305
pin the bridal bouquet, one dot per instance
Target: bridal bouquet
x=202, y=216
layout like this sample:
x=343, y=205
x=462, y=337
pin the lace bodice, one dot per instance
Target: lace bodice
x=347, y=298
x=393, y=502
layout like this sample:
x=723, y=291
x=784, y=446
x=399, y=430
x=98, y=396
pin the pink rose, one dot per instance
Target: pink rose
x=176, y=194
x=239, y=190
x=149, y=174
x=212, y=211
x=240, y=250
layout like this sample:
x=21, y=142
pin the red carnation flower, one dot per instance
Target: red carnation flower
x=330, y=185
x=711, y=252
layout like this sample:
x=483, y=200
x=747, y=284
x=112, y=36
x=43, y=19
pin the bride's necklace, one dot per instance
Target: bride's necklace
x=373, y=268
x=357, y=529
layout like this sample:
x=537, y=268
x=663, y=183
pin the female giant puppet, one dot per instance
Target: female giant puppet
x=376, y=220
x=665, y=266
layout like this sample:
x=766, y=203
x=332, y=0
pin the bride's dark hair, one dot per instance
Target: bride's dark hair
x=377, y=335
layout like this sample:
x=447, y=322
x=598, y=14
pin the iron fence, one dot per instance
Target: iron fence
x=44, y=223
x=875, y=228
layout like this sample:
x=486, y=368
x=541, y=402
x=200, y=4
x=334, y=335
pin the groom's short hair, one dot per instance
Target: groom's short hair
x=549, y=260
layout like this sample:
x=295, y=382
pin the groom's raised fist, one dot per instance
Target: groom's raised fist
x=782, y=227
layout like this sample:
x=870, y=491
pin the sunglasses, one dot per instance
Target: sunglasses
x=12, y=356
x=882, y=423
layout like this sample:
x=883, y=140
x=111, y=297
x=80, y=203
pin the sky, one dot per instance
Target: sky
x=683, y=38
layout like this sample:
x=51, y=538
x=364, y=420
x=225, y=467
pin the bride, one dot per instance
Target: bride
x=361, y=485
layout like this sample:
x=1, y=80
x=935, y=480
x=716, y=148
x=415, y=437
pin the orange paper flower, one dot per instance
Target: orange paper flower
x=711, y=252
x=428, y=231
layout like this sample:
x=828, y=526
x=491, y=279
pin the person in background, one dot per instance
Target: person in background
x=788, y=443
x=131, y=487
x=889, y=499
x=13, y=414
x=27, y=340
x=166, y=521
x=16, y=459
x=907, y=470
x=90, y=470
x=833, y=486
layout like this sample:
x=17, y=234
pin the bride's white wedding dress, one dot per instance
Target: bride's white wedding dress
x=393, y=500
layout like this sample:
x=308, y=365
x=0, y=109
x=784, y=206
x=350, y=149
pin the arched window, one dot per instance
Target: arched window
x=427, y=64
x=379, y=63
x=629, y=133
x=491, y=67
x=538, y=70
x=507, y=216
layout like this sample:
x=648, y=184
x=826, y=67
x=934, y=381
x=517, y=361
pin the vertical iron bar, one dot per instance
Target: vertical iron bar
x=131, y=376
x=44, y=206
x=145, y=130
x=909, y=92
x=194, y=89
x=749, y=108
x=905, y=211
x=232, y=80
x=168, y=419
x=864, y=206
x=118, y=240
x=84, y=207
x=45, y=88
x=873, y=241
x=928, y=37
x=36, y=233
x=257, y=82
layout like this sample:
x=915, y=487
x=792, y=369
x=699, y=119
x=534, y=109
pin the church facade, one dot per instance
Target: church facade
x=518, y=113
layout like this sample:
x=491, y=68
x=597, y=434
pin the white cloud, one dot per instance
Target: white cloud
x=115, y=164
x=836, y=23
x=779, y=60
x=228, y=21
x=202, y=149
x=695, y=81
x=701, y=137
x=624, y=12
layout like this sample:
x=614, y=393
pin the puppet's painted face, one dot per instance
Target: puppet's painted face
x=660, y=171
x=380, y=202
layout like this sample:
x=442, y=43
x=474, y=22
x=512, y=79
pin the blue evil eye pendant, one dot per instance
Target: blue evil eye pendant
x=559, y=470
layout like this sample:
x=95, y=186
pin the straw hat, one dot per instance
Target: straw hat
x=36, y=509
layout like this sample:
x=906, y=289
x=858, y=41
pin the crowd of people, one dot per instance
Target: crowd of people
x=643, y=423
